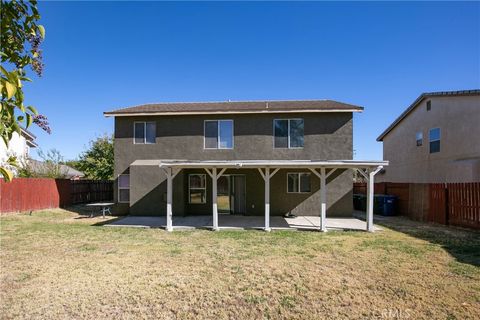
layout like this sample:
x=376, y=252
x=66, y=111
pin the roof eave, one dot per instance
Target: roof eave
x=131, y=114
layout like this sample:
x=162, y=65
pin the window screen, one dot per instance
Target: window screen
x=434, y=137
x=124, y=188
x=150, y=132
x=211, y=134
x=139, y=132
x=226, y=134
x=281, y=133
x=296, y=133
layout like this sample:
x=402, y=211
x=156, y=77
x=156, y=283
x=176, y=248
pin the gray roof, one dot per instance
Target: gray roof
x=178, y=108
x=68, y=172
x=423, y=96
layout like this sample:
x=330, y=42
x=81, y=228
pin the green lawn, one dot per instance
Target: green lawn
x=57, y=264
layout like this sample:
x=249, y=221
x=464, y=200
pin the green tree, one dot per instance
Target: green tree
x=20, y=38
x=97, y=161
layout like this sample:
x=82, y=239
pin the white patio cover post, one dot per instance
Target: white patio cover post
x=214, y=199
x=323, y=200
x=370, y=194
x=168, y=171
x=267, y=200
x=266, y=177
x=215, y=175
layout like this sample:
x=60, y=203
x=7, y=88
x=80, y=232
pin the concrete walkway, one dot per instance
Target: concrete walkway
x=241, y=222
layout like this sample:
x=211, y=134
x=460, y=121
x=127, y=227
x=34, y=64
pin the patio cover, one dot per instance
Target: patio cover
x=267, y=169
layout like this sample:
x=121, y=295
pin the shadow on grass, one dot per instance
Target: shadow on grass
x=463, y=244
x=86, y=212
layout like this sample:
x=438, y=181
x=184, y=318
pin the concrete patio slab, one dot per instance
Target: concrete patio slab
x=241, y=223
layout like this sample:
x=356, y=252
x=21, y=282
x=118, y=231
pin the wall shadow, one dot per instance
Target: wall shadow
x=461, y=243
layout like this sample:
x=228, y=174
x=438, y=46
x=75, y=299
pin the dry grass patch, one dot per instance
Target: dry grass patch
x=54, y=264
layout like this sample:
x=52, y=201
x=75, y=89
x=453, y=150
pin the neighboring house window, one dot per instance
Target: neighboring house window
x=434, y=140
x=298, y=182
x=197, y=193
x=419, y=139
x=429, y=105
x=124, y=188
x=288, y=133
x=218, y=134
x=144, y=132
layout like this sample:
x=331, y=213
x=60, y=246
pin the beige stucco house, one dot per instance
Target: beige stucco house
x=436, y=139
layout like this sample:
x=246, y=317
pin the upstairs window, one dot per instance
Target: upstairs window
x=288, y=133
x=124, y=188
x=429, y=105
x=298, y=182
x=419, y=138
x=434, y=138
x=144, y=132
x=218, y=134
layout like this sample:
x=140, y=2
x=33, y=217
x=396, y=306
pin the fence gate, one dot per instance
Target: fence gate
x=438, y=203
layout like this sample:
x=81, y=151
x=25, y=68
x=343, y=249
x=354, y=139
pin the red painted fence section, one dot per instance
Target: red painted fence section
x=26, y=194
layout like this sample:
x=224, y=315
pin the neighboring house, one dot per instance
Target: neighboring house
x=249, y=158
x=19, y=146
x=436, y=139
x=62, y=170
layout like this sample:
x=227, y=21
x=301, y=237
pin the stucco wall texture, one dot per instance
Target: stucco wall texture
x=458, y=118
x=328, y=136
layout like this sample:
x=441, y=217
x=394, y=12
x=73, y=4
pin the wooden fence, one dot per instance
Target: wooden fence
x=456, y=204
x=84, y=191
x=26, y=194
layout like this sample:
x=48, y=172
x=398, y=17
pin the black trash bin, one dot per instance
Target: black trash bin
x=385, y=205
x=360, y=202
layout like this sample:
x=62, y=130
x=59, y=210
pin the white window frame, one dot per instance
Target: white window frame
x=416, y=139
x=144, y=132
x=439, y=139
x=218, y=134
x=288, y=131
x=190, y=189
x=123, y=188
x=299, y=189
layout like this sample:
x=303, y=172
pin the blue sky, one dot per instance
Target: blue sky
x=104, y=55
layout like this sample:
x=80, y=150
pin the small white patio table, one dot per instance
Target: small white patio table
x=105, y=207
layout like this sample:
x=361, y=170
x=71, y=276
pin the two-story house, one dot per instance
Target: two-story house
x=436, y=139
x=248, y=158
